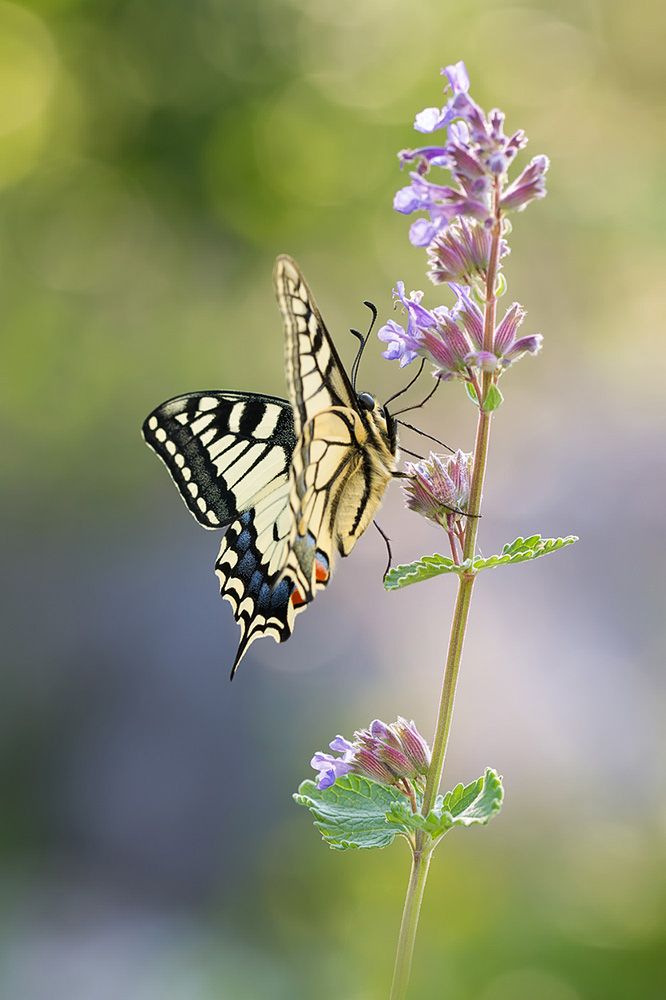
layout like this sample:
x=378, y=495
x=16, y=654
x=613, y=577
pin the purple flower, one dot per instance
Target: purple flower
x=506, y=346
x=468, y=314
x=461, y=253
x=446, y=345
x=422, y=232
x=431, y=119
x=457, y=76
x=530, y=185
x=405, y=344
x=439, y=487
x=442, y=202
x=447, y=337
x=394, y=754
x=436, y=156
x=525, y=345
x=394, y=335
x=330, y=768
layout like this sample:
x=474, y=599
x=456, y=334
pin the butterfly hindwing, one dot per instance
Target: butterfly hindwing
x=246, y=568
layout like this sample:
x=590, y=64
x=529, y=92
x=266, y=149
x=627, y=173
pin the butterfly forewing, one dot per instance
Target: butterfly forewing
x=315, y=375
x=225, y=451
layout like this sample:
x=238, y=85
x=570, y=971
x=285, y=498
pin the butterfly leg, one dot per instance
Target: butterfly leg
x=388, y=548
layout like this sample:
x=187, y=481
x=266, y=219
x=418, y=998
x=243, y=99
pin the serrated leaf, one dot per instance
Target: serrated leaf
x=464, y=806
x=352, y=812
x=524, y=549
x=474, y=803
x=421, y=569
x=521, y=550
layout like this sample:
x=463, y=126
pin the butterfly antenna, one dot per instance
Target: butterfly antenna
x=406, y=451
x=417, y=406
x=364, y=340
x=408, y=386
x=417, y=430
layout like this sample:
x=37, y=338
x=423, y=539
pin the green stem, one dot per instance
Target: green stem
x=410, y=920
x=443, y=729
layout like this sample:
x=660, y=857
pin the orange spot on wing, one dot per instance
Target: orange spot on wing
x=297, y=598
x=321, y=571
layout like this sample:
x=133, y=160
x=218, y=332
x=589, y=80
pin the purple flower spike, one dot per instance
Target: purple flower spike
x=477, y=152
x=462, y=227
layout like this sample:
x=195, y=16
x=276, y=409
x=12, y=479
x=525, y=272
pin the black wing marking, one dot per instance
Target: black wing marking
x=246, y=564
x=223, y=450
x=315, y=375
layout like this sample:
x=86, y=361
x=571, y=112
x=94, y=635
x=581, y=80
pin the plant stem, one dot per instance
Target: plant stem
x=423, y=845
x=410, y=919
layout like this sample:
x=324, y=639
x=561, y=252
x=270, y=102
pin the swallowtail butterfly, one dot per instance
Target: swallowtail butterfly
x=293, y=481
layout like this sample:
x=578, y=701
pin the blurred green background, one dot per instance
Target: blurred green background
x=155, y=156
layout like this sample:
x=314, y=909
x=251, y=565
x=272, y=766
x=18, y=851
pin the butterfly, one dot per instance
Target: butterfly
x=294, y=481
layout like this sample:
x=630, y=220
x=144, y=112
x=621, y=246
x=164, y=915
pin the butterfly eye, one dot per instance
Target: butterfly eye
x=366, y=400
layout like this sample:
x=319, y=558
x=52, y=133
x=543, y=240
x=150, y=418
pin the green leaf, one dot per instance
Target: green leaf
x=521, y=550
x=494, y=398
x=352, y=812
x=421, y=569
x=524, y=549
x=465, y=805
x=471, y=392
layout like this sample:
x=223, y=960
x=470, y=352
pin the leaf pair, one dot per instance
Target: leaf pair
x=358, y=813
x=521, y=550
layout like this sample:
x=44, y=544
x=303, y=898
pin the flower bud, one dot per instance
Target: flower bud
x=439, y=487
x=389, y=754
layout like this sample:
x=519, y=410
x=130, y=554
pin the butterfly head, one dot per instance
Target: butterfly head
x=380, y=418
